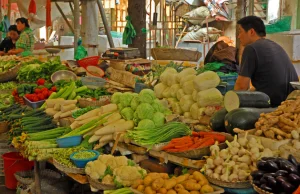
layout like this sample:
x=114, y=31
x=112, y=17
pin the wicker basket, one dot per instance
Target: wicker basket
x=257, y=189
x=66, y=169
x=97, y=185
x=3, y=127
x=103, y=100
x=233, y=185
x=27, y=177
x=10, y=74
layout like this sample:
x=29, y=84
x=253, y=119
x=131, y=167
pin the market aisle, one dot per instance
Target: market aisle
x=3, y=189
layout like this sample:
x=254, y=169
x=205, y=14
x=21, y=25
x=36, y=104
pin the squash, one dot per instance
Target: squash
x=244, y=118
x=217, y=121
x=239, y=99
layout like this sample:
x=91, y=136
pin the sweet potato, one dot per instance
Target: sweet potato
x=157, y=184
x=169, y=184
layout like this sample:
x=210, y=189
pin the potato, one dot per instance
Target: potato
x=169, y=184
x=182, y=191
x=206, y=189
x=182, y=178
x=164, y=175
x=171, y=192
x=203, y=182
x=179, y=187
x=192, y=186
x=158, y=183
x=141, y=188
x=148, y=190
x=162, y=190
x=148, y=180
x=195, y=192
x=198, y=176
x=137, y=183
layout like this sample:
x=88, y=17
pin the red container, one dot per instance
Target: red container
x=88, y=61
x=14, y=162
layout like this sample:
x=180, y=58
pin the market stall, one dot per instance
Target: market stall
x=134, y=127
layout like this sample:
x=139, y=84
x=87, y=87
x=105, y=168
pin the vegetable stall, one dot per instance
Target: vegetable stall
x=171, y=130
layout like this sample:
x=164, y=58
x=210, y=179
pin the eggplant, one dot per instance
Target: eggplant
x=281, y=173
x=288, y=187
x=268, y=158
x=256, y=175
x=257, y=182
x=267, y=175
x=261, y=165
x=292, y=160
x=266, y=188
x=294, y=179
x=271, y=166
x=298, y=168
x=288, y=167
x=281, y=179
x=263, y=180
x=271, y=182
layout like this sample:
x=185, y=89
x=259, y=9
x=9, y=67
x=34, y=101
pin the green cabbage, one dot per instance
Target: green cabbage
x=145, y=111
x=115, y=98
x=158, y=119
x=127, y=113
x=147, y=96
x=135, y=102
x=159, y=89
x=125, y=99
x=120, y=106
x=158, y=106
x=146, y=124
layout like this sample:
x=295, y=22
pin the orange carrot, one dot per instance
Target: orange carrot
x=208, y=142
x=195, y=134
x=168, y=146
x=217, y=137
x=197, y=144
x=183, y=146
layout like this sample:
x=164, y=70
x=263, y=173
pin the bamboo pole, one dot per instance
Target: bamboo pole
x=65, y=18
x=76, y=23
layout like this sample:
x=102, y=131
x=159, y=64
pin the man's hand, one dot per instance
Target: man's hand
x=242, y=83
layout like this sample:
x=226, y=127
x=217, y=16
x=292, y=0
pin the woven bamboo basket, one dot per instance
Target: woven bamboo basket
x=3, y=127
x=10, y=74
x=233, y=185
x=257, y=189
x=103, y=100
x=66, y=169
x=97, y=185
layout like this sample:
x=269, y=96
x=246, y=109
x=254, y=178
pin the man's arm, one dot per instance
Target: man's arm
x=242, y=83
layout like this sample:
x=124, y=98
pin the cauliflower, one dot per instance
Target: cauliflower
x=108, y=180
x=104, y=158
x=113, y=162
x=95, y=169
x=127, y=175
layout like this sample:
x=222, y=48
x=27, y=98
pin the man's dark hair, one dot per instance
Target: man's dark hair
x=253, y=22
x=23, y=21
x=13, y=28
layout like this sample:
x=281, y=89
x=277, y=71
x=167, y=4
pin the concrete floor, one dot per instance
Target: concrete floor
x=3, y=189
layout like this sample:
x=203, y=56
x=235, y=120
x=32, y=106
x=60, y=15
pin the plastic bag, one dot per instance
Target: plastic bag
x=80, y=52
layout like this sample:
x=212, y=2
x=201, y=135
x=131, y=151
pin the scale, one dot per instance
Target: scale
x=53, y=53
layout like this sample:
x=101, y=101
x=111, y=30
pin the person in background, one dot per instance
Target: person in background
x=25, y=43
x=10, y=41
x=264, y=63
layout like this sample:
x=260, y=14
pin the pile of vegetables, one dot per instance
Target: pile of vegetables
x=82, y=111
x=31, y=72
x=84, y=155
x=8, y=62
x=144, y=108
x=60, y=108
x=235, y=163
x=277, y=175
x=151, y=136
x=281, y=123
x=194, y=183
x=118, y=171
x=8, y=86
x=6, y=100
x=197, y=140
x=189, y=94
x=119, y=191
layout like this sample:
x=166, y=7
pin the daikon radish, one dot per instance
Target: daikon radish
x=51, y=102
x=100, y=145
x=57, y=107
x=57, y=115
x=87, y=120
x=113, y=118
x=89, y=114
x=75, y=125
x=118, y=126
x=66, y=108
x=106, y=138
x=94, y=138
x=68, y=102
x=65, y=114
x=50, y=111
x=92, y=132
x=108, y=108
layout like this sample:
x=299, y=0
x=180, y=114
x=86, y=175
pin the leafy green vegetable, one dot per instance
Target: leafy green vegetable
x=146, y=124
x=147, y=96
x=131, y=163
x=135, y=103
x=93, y=93
x=127, y=113
x=115, y=98
x=158, y=119
x=145, y=111
x=125, y=99
x=8, y=85
x=82, y=111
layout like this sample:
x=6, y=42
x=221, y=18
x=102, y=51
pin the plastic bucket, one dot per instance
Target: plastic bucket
x=14, y=162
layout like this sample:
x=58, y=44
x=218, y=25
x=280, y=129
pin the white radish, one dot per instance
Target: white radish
x=89, y=114
x=65, y=114
x=113, y=118
x=106, y=138
x=50, y=111
x=92, y=132
x=94, y=138
x=52, y=102
x=108, y=108
x=82, y=122
x=57, y=107
x=120, y=126
x=75, y=125
x=100, y=145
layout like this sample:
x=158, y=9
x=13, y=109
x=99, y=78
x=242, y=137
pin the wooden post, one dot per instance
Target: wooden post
x=137, y=12
x=76, y=23
x=65, y=17
x=89, y=28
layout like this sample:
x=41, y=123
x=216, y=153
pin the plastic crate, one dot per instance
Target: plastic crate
x=93, y=82
x=227, y=83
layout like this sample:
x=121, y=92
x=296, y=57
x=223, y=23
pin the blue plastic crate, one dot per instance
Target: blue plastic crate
x=227, y=83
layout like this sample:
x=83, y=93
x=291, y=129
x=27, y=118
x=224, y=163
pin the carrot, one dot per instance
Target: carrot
x=202, y=133
x=195, y=139
x=196, y=145
x=195, y=134
x=208, y=142
x=297, y=191
x=217, y=137
x=168, y=146
x=185, y=138
x=185, y=145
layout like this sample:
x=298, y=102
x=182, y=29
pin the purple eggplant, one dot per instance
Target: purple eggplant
x=292, y=160
x=266, y=188
x=256, y=175
x=281, y=173
x=257, y=182
x=267, y=175
x=263, y=180
x=294, y=179
x=271, y=166
x=261, y=165
x=271, y=182
x=281, y=179
x=288, y=167
x=288, y=187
